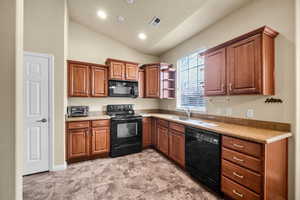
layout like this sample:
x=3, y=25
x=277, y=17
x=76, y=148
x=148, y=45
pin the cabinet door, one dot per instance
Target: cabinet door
x=154, y=132
x=78, y=80
x=117, y=70
x=100, y=140
x=98, y=81
x=152, y=81
x=163, y=140
x=141, y=83
x=78, y=143
x=177, y=147
x=146, y=132
x=215, y=73
x=244, y=66
x=131, y=72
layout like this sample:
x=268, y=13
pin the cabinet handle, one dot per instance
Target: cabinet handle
x=237, y=193
x=230, y=86
x=238, y=146
x=237, y=175
x=237, y=159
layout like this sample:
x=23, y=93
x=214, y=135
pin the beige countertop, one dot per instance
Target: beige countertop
x=259, y=135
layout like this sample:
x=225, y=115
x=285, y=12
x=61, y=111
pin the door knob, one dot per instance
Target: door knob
x=42, y=120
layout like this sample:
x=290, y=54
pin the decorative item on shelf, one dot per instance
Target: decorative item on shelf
x=273, y=100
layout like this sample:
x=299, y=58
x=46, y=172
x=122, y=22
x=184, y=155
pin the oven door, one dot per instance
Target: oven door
x=126, y=131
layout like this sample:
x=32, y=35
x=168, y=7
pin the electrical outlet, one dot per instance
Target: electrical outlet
x=250, y=113
x=228, y=111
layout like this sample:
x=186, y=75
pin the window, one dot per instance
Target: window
x=190, y=82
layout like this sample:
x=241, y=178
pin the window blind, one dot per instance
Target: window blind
x=191, y=81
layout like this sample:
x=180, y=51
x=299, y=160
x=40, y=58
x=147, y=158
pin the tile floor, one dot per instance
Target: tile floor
x=143, y=176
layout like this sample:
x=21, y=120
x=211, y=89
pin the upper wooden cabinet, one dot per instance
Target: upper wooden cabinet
x=152, y=76
x=244, y=65
x=86, y=79
x=141, y=83
x=78, y=79
x=98, y=81
x=122, y=70
x=215, y=73
x=160, y=80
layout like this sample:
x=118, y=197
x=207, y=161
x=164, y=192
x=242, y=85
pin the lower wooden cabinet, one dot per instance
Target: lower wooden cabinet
x=146, y=132
x=100, y=140
x=177, y=147
x=163, y=139
x=87, y=140
x=78, y=143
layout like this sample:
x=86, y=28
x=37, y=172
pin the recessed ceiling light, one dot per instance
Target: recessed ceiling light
x=101, y=14
x=121, y=19
x=142, y=36
x=130, y=1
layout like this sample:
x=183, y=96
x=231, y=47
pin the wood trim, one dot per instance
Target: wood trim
x=85, y=63
x=108, y=60
x=262, y=30
x=279, y=126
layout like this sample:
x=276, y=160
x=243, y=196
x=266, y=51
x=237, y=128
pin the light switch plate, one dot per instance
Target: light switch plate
x=250, y=113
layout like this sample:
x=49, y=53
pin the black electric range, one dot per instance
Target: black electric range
x=126, y=130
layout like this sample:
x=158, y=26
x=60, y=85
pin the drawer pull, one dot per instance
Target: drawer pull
x=238, y=146
x=237, y=175
x=237, y=159
x=237, y=193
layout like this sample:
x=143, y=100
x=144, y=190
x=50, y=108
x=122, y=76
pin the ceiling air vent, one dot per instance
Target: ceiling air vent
x=155, y=21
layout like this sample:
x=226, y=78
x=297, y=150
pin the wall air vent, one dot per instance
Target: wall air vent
x=155, y=21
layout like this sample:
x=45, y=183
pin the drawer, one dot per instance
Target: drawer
x=177, y=127
x=98, y=123
x=242, y=176
x=236, y=191
x=250, y=148
x=163, y=122
x=242, y=159
x=81, y=124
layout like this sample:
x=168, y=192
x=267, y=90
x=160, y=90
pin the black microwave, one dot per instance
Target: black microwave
x=123, y=88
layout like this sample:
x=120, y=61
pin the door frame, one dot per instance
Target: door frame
x=50, y=103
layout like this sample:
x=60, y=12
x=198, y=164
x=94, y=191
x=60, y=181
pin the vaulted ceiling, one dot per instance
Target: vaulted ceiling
x=180, y=20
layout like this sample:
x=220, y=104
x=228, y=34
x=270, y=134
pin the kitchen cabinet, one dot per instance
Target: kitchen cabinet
x=215, y=73
x=100, y=140
x=87, y=79
x=154, y=132
x=78, y=143
x=163, y=139
x=244, y=65
x=177, y=147
x=160, y=79
x=98, y=81
x=146, y=132
x=141, y=83
x=122, y=70
x=254, y=171
x=152, y=76
x=78, y=79
x=87, y=140
x=131, y=72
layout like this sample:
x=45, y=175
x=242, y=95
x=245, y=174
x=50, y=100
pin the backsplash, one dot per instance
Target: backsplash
x=99, y=104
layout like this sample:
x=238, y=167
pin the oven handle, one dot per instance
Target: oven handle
x=126, y=119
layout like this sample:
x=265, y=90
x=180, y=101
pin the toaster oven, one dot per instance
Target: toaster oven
x=78, y=111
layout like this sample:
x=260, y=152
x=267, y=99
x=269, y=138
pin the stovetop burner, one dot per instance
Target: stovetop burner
x=121, y=111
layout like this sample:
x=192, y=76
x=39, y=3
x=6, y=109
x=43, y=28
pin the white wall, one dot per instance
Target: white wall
x=44, y=32
x=11, y=53
x=86, y=45
x=277, y=14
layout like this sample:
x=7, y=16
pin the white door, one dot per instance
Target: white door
x=36, y=110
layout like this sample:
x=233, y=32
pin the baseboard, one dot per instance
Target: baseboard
x=59, y=167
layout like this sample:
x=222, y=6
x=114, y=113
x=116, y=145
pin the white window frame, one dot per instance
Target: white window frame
x=178, y=96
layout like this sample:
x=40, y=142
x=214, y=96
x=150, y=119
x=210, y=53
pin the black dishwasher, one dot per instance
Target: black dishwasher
x=202, y=155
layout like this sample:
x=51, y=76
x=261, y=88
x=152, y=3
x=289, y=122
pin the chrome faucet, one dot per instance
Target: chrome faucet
x=188, y=112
